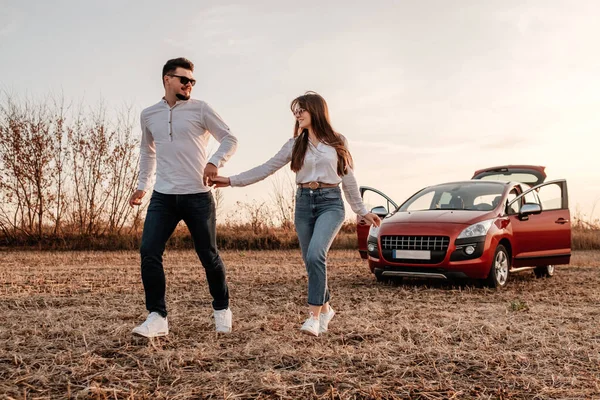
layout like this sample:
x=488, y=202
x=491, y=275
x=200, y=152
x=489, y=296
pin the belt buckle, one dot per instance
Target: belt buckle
x=313, y=185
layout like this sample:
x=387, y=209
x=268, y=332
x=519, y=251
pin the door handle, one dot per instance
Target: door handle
x=362, y=222
x=561, y=221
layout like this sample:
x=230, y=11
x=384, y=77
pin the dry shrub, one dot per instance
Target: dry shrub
x=229, y=237
x=585, y=238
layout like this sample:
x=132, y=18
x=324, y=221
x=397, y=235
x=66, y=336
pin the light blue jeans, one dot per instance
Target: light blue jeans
x=319, y=217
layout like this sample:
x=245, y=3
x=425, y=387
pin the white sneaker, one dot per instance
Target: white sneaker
x=223, y=320
x=324, y=319
x=311, y=326
x=154, y=326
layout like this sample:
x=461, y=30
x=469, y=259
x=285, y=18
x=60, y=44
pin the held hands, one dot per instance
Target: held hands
x=372, y=219
x=136, y=198
x=221, y=181
x=210, y=172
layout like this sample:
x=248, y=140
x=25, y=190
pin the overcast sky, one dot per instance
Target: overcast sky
x=425, y=91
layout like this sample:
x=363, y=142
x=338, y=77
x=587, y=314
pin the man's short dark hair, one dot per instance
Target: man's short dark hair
x=175, y=63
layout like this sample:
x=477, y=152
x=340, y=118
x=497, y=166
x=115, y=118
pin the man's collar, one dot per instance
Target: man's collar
x=176, y=103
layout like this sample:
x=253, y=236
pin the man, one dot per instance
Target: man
x=175, y=132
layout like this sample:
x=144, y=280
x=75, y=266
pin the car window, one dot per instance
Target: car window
x=443, y=200
x=486, y=202
x=471, y=196
x=516, y=206
x=532, y=198
x=422, y=203
x=550, y=197
x=372, y=199
x=514, y=176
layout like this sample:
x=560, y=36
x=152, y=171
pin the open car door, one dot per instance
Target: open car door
x=377, y=203
x=541, y=225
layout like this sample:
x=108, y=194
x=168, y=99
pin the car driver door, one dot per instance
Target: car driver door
x=376, y=202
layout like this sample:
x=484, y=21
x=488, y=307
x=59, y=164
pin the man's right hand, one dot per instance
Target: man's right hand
x=221, y=181
x=136, y=198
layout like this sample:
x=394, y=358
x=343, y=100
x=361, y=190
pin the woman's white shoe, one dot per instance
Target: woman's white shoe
x=311, y=326
x=324, y=319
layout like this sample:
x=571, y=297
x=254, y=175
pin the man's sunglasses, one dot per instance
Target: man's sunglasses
x=184, y=79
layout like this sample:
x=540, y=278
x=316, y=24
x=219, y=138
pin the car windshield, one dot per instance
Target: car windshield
x=475, y=196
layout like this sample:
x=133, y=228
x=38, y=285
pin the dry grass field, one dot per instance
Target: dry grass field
x=66, y=321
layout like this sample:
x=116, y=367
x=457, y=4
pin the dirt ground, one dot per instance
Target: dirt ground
x=65, y=332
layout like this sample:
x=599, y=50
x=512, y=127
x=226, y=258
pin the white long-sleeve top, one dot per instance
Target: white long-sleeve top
x=320, y=165
x=173, y=146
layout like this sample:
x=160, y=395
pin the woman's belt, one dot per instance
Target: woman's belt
x=317, y=185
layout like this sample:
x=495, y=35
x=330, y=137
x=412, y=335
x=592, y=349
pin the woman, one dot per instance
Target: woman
x=320, y=158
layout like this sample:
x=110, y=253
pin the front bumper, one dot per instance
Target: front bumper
x=453, y=263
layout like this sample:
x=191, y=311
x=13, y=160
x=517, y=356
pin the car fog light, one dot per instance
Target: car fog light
x=469, y=250
x=371, y=247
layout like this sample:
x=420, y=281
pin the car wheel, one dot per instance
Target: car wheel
x=380, y=278
x=545, y=271
x=498, y=275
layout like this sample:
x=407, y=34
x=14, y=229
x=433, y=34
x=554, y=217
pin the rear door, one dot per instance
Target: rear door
x=371, y=198
x=529, y=174
x=544, y=238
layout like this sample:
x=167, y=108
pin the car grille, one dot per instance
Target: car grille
x=431, y=243
x=437, y=245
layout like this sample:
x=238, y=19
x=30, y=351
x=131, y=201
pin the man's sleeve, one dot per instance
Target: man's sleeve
x=147, y=157
x=220, y=131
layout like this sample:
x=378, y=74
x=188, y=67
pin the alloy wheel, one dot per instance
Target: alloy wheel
x=501, y=268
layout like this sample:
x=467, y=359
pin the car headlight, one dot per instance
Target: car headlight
x=374, y=231
x=475, y=230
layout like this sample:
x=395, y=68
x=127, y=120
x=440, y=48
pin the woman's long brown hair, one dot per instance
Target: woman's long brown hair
x=319, y=116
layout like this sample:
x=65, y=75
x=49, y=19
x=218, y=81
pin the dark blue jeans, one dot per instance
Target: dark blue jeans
x=318, y=219
x=164, y=213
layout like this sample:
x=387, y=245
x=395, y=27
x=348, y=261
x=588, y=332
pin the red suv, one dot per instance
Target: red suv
x=505, y=219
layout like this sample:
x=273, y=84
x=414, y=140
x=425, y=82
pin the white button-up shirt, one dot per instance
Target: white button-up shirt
x=320, y=165
x=173, y=146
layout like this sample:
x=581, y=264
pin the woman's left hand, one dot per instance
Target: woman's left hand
x=372, y=219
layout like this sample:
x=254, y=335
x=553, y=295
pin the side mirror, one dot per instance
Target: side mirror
x=380, y=211
x=529, y=209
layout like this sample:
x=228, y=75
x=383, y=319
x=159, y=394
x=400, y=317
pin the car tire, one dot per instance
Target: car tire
x=498, y=275
x=545, y=271
x=381, y=278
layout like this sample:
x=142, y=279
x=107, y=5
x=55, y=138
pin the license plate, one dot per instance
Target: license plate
x=412, y=254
